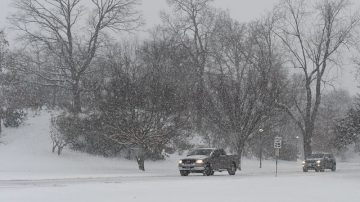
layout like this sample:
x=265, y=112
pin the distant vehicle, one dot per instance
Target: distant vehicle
x=319, y=162
x=208, y=160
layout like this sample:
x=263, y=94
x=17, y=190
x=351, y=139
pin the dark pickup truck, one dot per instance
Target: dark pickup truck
x=208, y=160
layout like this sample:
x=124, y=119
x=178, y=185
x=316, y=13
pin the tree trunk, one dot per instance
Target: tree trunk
x=311, y=117
x=239, y=149
x=76, y=98
x=199, y=103
x=141, y=161
x=239, y=153
x=307, y=147
x=307, y=140
x=1, y=115
x=54, y=97
x=60, y=148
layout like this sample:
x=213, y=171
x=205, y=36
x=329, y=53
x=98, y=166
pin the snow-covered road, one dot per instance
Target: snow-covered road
x=155, y=177
x=341, y=185
x=345, y=171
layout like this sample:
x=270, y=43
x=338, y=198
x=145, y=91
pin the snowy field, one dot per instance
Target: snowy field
x=29, y=172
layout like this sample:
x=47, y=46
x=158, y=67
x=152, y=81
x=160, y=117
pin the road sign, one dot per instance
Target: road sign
x=277, y=146
x=277, y=142
x=277, y=152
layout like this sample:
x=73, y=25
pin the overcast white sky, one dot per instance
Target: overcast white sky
x=242, y=10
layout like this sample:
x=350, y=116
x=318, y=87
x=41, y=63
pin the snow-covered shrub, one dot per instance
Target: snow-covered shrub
x=64, y=130
x=58, y=139
x=83, y=132
x=14, y=117
x=347, y=130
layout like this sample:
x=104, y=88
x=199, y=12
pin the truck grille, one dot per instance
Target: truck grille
x=188, y=161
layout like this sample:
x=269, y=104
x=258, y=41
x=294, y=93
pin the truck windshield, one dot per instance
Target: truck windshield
x=316, y=156
x=205, y=152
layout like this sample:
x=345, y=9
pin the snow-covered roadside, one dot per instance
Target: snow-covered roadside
x=26, y=154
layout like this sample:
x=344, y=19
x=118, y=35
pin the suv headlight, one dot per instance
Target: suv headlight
x=303, y=162
x=318, y=161
x=180, y=162
x=199, y=161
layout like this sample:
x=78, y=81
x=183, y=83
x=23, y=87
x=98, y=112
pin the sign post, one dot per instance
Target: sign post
x=277, y=147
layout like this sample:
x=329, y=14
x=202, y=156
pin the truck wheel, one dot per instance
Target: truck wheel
x=232, y=169
x=184, y=173
x=333, y=168
x=305, y=169
x=317, y=170
x=208, y=170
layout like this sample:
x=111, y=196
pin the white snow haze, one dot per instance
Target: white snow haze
x=121, y=112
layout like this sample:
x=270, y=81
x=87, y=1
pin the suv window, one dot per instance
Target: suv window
x=330, y=156
x=216, y=153
x=222, y=152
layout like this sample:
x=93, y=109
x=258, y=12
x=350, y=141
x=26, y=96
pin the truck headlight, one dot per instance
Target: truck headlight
x=318, y=162
x=303, y=162
x=180, y=162
x=199, y=161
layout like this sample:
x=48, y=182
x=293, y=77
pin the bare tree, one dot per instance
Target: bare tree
x=143, y=130
x=72, y=34
x=193, y=22
x=245, y=79
x=139, y=106
x=314, y=38
x=3, y=54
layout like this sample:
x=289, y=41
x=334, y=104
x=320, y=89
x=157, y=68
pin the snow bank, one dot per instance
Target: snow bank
x=26, y=154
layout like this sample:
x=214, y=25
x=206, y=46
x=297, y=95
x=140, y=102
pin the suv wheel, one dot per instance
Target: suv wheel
x=333, y=168
x=232, y=169
x=184, y=173
x=305, y=169
x=208, y=171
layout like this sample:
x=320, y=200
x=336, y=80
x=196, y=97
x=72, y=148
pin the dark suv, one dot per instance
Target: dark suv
x=319, y=162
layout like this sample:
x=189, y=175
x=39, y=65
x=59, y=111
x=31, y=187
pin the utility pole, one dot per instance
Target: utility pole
x=260, y=145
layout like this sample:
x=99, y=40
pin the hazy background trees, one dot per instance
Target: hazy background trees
x=199, y=74
x=3, y=52
x=193, y=23
x=244, y=80
x=346, y=129
x=314, y=35
x=70, y=33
